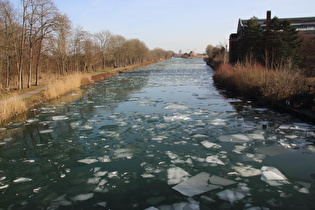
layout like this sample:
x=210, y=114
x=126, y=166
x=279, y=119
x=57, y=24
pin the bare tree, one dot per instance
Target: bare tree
x=102, y=39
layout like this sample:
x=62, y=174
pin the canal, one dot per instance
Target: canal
x=158, y=137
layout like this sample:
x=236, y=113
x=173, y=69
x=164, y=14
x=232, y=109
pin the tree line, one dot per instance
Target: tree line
x=37, y=40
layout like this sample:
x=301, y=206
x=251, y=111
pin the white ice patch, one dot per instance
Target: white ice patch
x=22, y=179
x=230, y=195
x=195, y=185
x=235, y=138
x=83, y=197
x=46, y=131
x=201, y=183
x=218, y=122
x=176, y=107
x=247, y=171
x=200, y=136
x=214, y=159
x=273, y=176
x=122, y=153
x=59, y=117
x=209, y=145
x=171, y=155
x=176, y=175
x=177, y=118
x=88, y=160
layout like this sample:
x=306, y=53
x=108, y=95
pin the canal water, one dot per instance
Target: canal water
x=158, y=137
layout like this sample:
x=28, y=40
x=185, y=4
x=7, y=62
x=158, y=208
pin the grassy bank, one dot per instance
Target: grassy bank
x=260, y=83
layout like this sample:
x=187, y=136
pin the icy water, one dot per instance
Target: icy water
x=158, y=137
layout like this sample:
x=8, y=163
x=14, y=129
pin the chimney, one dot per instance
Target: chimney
x=268, y=19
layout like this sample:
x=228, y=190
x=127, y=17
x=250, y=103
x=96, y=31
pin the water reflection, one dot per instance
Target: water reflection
x=163, y=137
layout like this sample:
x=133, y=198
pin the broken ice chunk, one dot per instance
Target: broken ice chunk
x=22, y=179
x=176, y=118
x=230, y=195
x=247, y=171
x=273, y=176
x=209, y=145
x=218, y=122
x=214, y=159
x=176, y=175
x=216, y=180
x=236, y=138
x=60, y=117
x=83, y=197
x=46, y=131
x=199, y=136
x=88, y=161
x=176, y=107
x=195, y=185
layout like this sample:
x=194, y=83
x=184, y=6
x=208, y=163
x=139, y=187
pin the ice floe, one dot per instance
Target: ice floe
x=201, y=183
x=46, y=131
x=180, y=117
x=214, y=159
x=22, y=179
x=59, y=117
x=247, y=170
x=176, y=107
x=209, y=145
x=230, y=195
x=235, y=138
x=273, y=176
x=83, y=197
x=176, y=175
x=88, y=160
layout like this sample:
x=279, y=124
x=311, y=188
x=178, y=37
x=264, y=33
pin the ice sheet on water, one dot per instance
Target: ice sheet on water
x=201, y=183
x=235, y=138
x=247, y=171
x=22, y=179
x=218, y=121
x=214, y=159
x=273, y=176
x=179, y=117
x=216, y=180
x=230, y=195
x=176, y=107
x=196, y=185
x=171, y=155
x=209, y=145
x=200, y=136
x=122, y=153
x=176, y=175
x=88, y=160
x=46, y=131
x=83, y=197
x=59, y=117
x=297, y=126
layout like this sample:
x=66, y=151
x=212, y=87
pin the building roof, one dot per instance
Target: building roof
x=301, y=23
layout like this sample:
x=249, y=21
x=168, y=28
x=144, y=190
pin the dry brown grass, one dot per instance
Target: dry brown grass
x=261, y=83
x=11, y=106
x=66, y=84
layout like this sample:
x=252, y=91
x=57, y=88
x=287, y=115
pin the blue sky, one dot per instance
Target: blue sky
x=176, y=24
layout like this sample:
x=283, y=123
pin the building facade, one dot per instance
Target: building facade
x=303, y=25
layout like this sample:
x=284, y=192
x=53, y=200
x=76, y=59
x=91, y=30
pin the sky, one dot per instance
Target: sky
x=176, y=24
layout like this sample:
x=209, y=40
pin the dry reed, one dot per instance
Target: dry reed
x=261, y=83
x=11, y=106
x=67, y=84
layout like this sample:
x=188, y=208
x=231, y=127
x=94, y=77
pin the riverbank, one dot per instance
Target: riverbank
x=272, y=88
x=17, y=103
